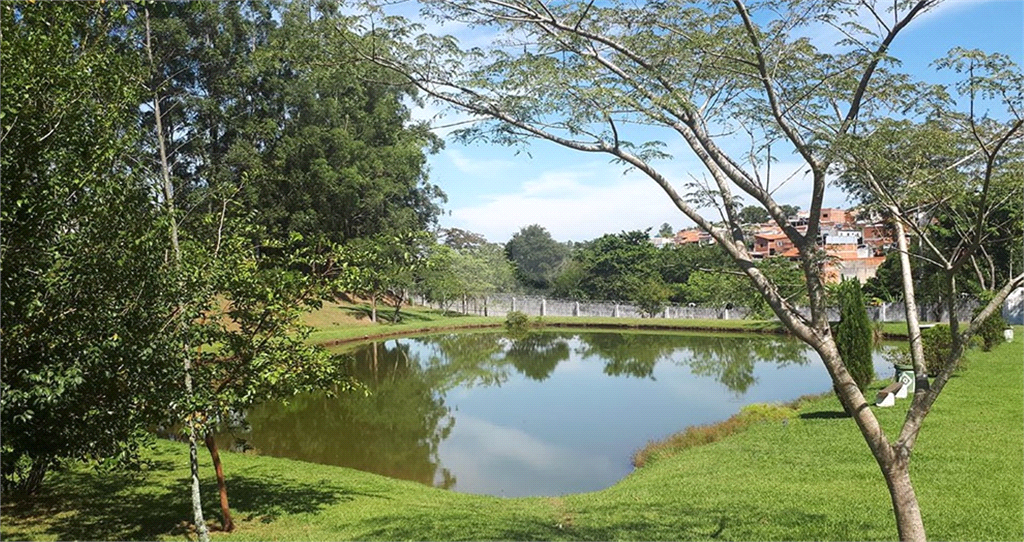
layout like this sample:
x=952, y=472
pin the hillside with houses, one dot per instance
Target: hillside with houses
x=856, y=244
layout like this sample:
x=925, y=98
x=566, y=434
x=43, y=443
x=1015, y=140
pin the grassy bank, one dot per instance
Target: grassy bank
x=807, y=477
x=337, y=323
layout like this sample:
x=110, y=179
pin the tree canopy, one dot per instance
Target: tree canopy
x=536, y=255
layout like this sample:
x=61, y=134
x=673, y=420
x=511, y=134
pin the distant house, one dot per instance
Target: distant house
x=843, y=237
x=835, y=217
x=770, y=244
x=877, y=237
x=693, y=237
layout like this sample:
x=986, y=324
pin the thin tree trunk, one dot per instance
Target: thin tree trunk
x=168, y=190
x=892, y=461
x=373, y=307
x=910, y=310
x=222, y=486
x=398, y=305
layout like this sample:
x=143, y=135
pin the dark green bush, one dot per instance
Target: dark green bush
x=854, y=333
x=937, y=342
x=991, y=331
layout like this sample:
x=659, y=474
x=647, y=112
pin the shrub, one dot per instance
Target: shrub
x=854, y=334
x=991, y=330
x=937, y=342
x=517, y=322
x=651, y=297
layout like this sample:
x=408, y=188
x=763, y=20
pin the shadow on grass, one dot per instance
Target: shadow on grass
x=386, y=315
x=825, y=415
x=134, y=506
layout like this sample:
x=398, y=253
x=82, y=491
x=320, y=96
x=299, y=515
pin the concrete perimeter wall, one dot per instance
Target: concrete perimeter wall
x=502, y=304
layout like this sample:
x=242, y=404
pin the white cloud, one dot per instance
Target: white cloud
x=593, y=198
x=476, y=166
x=573, y=204
x=496, y=459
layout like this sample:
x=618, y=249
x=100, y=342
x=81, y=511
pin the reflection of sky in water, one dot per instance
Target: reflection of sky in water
x=577, y=430
x=540, y=415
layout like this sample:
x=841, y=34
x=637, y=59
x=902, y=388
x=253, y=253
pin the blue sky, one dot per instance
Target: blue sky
x=576, y=196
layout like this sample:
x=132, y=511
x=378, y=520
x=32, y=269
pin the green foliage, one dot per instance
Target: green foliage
x=621, y=267
x=991, y=330
x=386, y=264
x=86, y=362
x=753, y=214
x=767, y=412
x=887, y=284
x=473, y=271
x=260, y=108
x=666, y=231
x=854, y=334
x=650, y=296
x=938, y=343
x=536, y=256
x=517, y=322
x=728, y=288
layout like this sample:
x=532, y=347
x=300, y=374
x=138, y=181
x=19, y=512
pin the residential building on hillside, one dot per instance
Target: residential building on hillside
x=693, y=236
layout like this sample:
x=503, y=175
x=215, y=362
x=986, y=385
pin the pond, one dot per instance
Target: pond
x=549, y=413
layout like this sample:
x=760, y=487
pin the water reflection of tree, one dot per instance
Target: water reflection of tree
x=465, y=359
x=395, y=431
x=537, y=354
x=630, y=354
x=731, y=360
x=484, y=358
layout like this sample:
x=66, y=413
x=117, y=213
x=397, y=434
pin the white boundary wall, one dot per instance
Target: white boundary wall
x=502, y=304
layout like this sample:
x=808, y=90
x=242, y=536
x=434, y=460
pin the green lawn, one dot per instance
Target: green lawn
x=809, y=478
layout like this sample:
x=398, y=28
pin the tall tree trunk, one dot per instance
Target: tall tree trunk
x=168, y=192
x=222, y=486
x=373, y=307
x=904, y=502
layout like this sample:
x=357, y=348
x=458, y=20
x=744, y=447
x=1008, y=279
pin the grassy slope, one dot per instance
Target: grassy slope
x=809, y=479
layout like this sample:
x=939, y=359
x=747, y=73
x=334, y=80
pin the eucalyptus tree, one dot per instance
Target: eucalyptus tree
x=600, y=78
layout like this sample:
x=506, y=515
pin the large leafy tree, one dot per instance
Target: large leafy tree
x=262, y=107
x=536, y=256
x=591, y=77
x=85, y=363
x=622, y=267
x=236, y=323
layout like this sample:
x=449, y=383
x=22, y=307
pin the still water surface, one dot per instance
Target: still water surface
x=547, y=414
